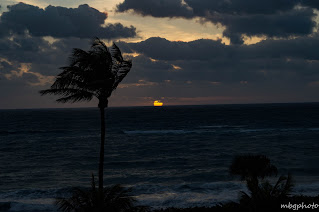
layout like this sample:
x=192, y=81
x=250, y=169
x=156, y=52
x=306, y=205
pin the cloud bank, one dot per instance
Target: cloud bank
x=60, y=22
x=282, y=68
x=271, y=18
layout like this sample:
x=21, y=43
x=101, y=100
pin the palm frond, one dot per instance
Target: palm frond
x=252, y=166
x=122, y=71
x=71, y=77
x=69, y=94
x=65, y=92
x=66, y=205
x=243, y=196
x=276, y=189
x=96, y=72
x=75, y=98
x=79, y=56
x=116, y=53
x=99, y=46
x=115, y=198
x=287, y=188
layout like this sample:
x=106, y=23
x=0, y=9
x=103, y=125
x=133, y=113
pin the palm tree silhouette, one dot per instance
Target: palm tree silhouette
x=252, y=167
x=263, y=196
x=93, y=73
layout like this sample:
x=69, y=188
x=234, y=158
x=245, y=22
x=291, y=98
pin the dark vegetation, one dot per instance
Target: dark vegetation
x=263, y=196
x=115, y=198
x=94, y=73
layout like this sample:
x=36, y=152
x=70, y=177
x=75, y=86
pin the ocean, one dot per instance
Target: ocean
x=171, y=156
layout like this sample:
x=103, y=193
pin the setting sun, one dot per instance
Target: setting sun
x=158, y=103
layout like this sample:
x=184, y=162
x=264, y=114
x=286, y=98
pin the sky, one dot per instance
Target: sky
x=184, y=52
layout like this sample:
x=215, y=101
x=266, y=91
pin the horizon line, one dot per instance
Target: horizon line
x=173, y=105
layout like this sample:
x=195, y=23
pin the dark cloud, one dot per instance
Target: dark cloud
x=163, y=8
x=207, y=71
x=200, y=71
x=271, y=18
x=150, y=71
x=160, y=48
x=296, y=22
x=286, y=61
x=82, y=22
x=177, y=8
x=240, y=7
x=209, y=60
x=29, y=64
x=310, y=3
x=34, y=58
x=160, y=60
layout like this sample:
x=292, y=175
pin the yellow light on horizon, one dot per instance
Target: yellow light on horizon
x=158, y=103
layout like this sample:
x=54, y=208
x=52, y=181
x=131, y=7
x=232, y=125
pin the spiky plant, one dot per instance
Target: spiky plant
x=263, y=196
x=252, y=167
x=91, y=74
x=269, y=197
x=113, y=199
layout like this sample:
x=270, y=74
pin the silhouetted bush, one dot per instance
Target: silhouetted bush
x=113, y=199
x=262, y=196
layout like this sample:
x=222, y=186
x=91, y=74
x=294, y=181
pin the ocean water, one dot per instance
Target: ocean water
x=170, y=156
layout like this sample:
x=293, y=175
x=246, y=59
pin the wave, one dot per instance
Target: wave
x=32, y=200
x=14, y=132
x=163, y=195
x=153, y=195
x=184, y=195
x=34, y=193
x=29, y=207
x=256, y=130
x=158, y=131
x=199, y=130
x=310, y=189
x=202, y=194
x=313, y=129
x=222, y=126
x=219, y=128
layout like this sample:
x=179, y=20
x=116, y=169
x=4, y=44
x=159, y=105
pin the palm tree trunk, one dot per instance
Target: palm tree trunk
x=101, y=163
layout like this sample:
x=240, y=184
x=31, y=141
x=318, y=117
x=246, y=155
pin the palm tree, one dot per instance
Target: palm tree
x=263, y=196
x=93, y=73
x=252, y=167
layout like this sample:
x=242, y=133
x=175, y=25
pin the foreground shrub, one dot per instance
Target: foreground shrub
x=113, y=199
x=262, y=196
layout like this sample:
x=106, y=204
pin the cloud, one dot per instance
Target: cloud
x=270, y=18
x=155, y=8
x=310, y=3
x=167, y=67
x=34, y=60
x=199, y=71
x=31, y=78
x=297, y=22
x=209, y=71
x=29, y=64
x=60, y=22
x=240, y=7
x=207, y=63
x=160, y=48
